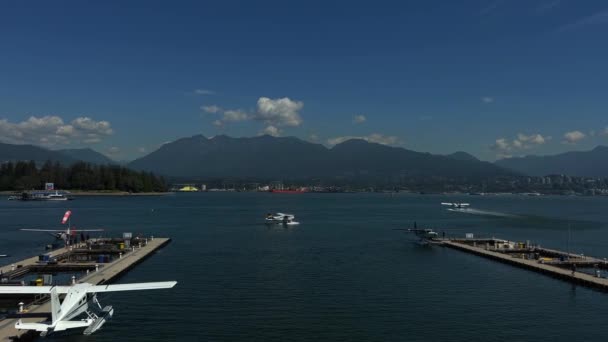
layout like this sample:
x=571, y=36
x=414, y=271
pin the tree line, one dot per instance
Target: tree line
x=24, y=175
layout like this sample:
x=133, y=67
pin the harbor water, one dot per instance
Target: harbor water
x=343, y=274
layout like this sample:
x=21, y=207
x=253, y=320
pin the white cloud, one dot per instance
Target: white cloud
x=211, y=109
x=87, y=124
x=357, y=119
x=51, y=130
x=231, y=115
x=501, y=144
x=595, y=19
x=487, y=99
x=313, y=137
x=204, y=92
x=490, y=8
x=521, y=142
x=274, y=113
x=532, y=139
x=271, y=130
x=113, y=151
x=141, y=149
x=573, y=137
x=235, y=116
x=548, y=6
x=279, y=112
x=373, y=138
x=605, y=131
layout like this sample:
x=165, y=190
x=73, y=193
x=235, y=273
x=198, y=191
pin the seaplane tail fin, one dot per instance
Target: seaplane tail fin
x=131, y=287
x=55, y=305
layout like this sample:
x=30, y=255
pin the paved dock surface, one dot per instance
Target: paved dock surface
x=32, y=260
x=534, y=265
x=105, y=274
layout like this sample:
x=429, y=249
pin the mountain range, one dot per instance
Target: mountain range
x=267, y=157
x=592, y=163
x=12, y=152
x=273, y=158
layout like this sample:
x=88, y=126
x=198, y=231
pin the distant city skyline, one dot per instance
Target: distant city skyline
x=493, y=78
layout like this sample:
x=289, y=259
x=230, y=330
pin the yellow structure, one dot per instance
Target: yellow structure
x=188, y=188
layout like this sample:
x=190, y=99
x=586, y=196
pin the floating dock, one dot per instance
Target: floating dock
x=98, y=273
x=555, y=263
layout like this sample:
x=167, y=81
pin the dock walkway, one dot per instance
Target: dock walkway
x=534, y=265
x=105, y=274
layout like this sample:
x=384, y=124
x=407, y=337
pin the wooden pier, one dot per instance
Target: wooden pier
x=105, y=274
x=551, y=268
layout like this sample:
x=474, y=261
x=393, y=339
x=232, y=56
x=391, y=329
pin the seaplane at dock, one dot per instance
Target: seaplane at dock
x=69, y=303
x=424, y=236
x=64, y=234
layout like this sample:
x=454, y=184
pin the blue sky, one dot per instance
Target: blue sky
x=493, y=78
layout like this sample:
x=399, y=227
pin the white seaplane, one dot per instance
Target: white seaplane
x=425, y=236
x=80, y=300
x=63, y=234
x=456, y=206
x=280, y=218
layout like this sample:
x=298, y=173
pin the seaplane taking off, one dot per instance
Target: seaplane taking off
x=63, y=234
x=79, y=300
x=456, y=206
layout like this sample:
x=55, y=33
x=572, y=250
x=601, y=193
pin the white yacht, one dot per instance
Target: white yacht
x=56, y=197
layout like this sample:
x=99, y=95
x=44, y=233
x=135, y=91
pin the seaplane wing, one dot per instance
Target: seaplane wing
x=131, y=287
x=89, y=289
x=32, y=289
x=61, y=230
x=455, y=205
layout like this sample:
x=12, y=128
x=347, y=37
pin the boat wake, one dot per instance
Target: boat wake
x=481, y=212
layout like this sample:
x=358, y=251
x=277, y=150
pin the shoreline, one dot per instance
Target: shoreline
x=101, y=193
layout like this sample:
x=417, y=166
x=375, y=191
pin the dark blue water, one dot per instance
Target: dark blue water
x=344, y=274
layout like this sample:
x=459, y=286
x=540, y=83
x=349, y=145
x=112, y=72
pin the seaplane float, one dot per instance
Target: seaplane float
x=456, y=206
x=79, y=300
x=64, y=234
x=281, y=218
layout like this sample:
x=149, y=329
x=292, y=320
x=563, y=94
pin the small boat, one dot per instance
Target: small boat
x=281, y=218
x=42, y=196
x=57, y=197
